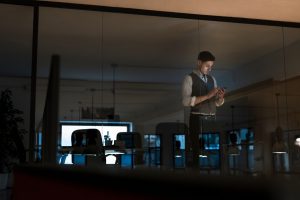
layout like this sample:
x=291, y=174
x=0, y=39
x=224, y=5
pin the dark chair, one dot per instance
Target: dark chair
x=133, y=145
x=167, y=130
x=87, y=147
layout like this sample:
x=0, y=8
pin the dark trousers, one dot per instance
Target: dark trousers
x=198, y=124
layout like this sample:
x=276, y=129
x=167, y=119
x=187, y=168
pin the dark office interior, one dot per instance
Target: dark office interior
x=91, y=103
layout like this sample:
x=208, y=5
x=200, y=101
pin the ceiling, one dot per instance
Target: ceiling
x=143, y=48
x=278, y=10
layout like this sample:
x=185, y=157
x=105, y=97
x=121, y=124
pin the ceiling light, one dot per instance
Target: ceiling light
x=297, y=142
x=279, y=145
x=233, y=150
x=177, y=149
x=203, y=154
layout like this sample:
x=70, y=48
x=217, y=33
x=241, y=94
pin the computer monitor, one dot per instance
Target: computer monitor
x=108, y=130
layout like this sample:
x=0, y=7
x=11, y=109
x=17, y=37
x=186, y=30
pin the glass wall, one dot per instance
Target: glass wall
x=130, y=68
x=291, y=96
x=15, y=61
x=152, y=150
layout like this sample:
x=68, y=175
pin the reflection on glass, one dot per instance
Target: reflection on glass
x=152, y=150
x=106, y=129
x=179, y=151
x=150, y=55
x=243, y=161
x=211, y=144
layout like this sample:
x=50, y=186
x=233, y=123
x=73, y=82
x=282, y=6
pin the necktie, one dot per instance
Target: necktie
x=204, y=78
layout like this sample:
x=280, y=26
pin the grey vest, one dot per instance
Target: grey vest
x=200, y=88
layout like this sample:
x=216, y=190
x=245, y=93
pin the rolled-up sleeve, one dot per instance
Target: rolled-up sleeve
x=187, y=99
x=215, y=82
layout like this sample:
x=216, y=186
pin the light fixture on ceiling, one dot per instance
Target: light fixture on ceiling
x=114, y=66
x=114, y=116
x=233, y=148
x=92, y=104
x=297, y=141
x=202, y=153
x=79, y=110
x=279, y=146
x=177, y=149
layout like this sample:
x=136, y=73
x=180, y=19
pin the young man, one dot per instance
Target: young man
x=201, y=94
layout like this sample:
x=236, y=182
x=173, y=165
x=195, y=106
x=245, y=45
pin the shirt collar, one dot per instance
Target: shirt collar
x=198, y=72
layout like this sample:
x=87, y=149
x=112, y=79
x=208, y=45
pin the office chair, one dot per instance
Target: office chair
x=133, y=143
x=87, y=147
x=167, y=130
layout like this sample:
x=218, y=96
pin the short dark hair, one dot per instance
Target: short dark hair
x=206, y=56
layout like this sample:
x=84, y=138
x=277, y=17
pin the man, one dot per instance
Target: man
x=201, y=94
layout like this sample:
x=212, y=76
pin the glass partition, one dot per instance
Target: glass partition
x=291, y=97
x=209, y=158
x=130, y=67
x=15, y=64
x=152, y=150
x=179, y=153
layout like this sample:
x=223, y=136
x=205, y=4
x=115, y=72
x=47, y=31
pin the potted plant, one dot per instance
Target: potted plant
x=12, y=150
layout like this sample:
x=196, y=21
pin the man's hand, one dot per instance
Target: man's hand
x=220, y=97
x=215, y=92
x=220, y=93
x=212, y=93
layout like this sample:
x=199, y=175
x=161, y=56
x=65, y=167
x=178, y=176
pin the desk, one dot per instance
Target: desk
x=120, y=154
x=113, y=150
x=65, y=150
x=80, y=155
x=69, y=156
